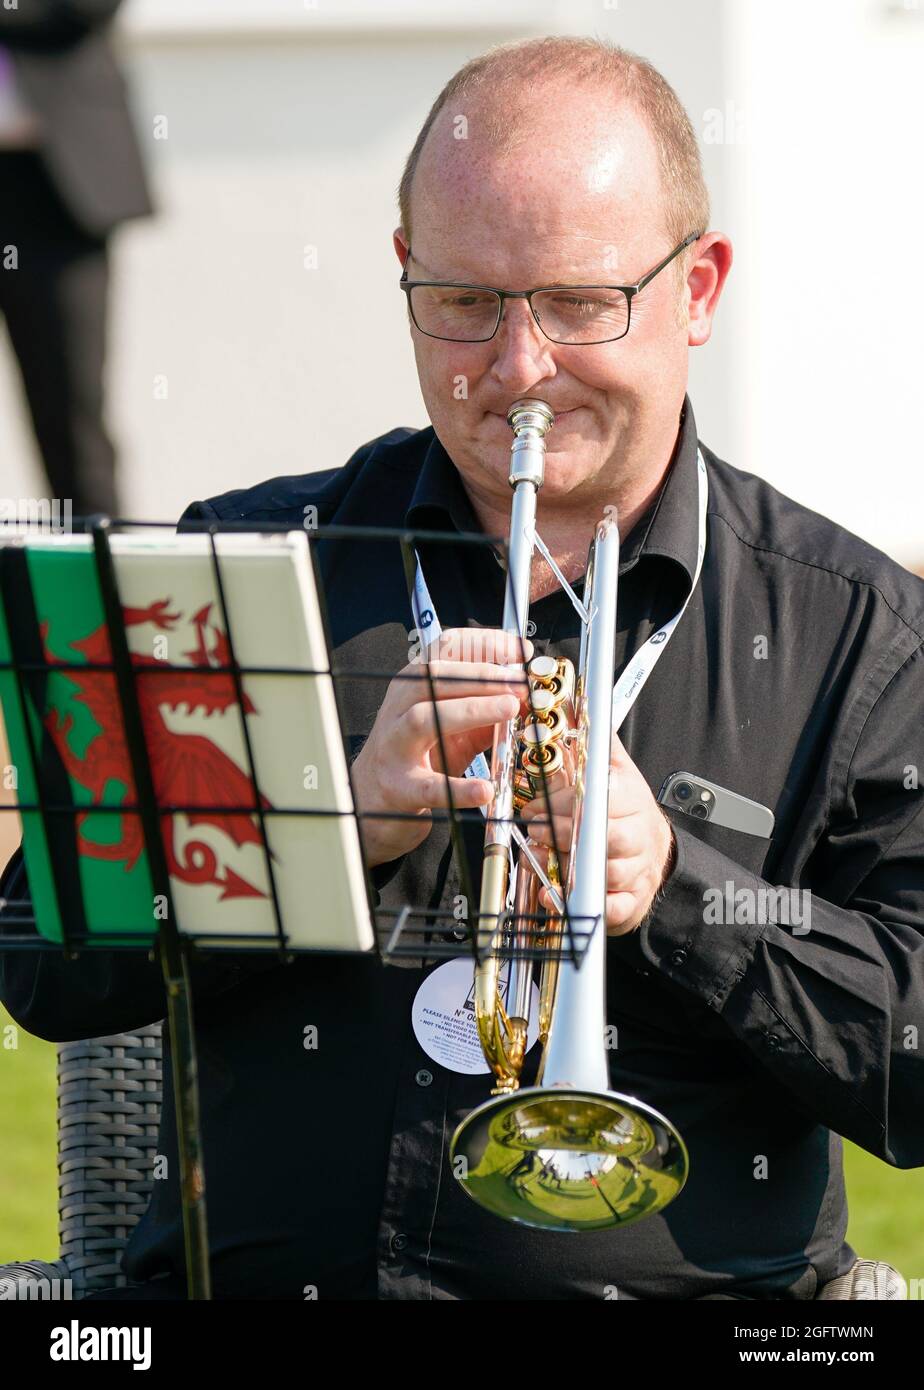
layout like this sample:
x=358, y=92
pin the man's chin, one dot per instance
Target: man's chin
x=569, y=462
x=564, y=472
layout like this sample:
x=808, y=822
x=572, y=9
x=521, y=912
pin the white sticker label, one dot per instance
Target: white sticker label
x=443, y=1016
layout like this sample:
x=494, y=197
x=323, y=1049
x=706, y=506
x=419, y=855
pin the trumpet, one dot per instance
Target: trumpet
x=568, y=1153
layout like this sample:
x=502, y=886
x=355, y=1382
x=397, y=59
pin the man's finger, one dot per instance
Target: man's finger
x=480, y=645
x=620, y=909
x=542, y=830
x=421, y=790
x=417, y=731
x=624, y=792
x=618, y=756
x=554, y=792
x=452, y=679
x=622, y=836
x=430, y=789
x=623, y=874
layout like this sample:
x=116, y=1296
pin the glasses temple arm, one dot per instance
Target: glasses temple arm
x=688, y=241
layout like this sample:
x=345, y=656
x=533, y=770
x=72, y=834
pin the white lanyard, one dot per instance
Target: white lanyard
x=627, y=688
x=629, y=685
x=428, y=630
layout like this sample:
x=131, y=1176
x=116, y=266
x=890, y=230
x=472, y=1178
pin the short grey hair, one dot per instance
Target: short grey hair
x=515, y=66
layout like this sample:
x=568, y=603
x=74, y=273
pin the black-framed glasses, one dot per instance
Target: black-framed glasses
x=570, y=314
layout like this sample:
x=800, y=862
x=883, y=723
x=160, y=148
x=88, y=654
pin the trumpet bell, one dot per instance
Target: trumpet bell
x=557, y=1159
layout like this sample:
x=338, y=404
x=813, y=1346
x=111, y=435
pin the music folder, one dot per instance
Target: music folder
x=231, y=674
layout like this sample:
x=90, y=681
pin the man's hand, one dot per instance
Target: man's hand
x=399, y=768
x=640, y=841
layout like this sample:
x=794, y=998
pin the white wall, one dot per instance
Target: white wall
x=282, y=133
x=288, y=126
x=828, y=183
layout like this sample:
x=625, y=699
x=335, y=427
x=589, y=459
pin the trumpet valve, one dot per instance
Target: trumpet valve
x=541, y=760
x=541, y=727
x=543, y=670
x=553, y=674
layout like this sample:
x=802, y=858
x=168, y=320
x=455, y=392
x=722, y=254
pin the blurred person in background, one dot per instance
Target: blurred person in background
x=70, y=172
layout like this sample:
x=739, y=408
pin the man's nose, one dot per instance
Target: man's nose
x=521, y=348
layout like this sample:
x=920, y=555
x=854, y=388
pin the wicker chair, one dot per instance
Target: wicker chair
x=109, y=1099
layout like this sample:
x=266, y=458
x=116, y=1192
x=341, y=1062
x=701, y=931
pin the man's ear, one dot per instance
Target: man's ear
x=401, y=244
x=705, y=281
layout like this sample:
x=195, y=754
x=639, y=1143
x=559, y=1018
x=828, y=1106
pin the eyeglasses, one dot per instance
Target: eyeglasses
x=574, y=314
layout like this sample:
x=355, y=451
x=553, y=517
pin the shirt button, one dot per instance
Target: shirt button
x=399, y=1241
x=773, y=1040
x=679, y=957
x=424, y=1077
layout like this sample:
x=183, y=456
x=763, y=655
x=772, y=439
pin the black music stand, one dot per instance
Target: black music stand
x=405, y=931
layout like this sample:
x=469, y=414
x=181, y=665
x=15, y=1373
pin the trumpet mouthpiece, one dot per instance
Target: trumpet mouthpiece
x=530, y=414
x=530, y=421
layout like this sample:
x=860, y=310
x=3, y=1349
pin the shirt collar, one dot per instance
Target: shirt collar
x=668, y=528
x=440, y=492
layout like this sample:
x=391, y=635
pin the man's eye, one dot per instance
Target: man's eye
x=465, y=301
x=580, y=304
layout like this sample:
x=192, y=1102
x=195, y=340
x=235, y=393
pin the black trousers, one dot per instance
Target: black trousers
x=54, y=280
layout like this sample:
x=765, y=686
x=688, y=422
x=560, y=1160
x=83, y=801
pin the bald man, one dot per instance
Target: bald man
x=762, y=990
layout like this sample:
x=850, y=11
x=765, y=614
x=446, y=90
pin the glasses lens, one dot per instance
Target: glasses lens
x=582, y=315
x=455, y=311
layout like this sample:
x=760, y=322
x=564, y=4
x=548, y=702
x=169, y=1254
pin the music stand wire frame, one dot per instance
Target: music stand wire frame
x=175, y=947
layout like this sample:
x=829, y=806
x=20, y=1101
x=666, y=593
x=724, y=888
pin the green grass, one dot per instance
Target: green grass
x=886, y=1204
x=886, y=1211
x=28, y=1170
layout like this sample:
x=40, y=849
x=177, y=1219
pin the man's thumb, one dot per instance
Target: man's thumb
x=618, y=755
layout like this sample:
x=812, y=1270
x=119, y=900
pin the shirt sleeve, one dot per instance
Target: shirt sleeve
x=98, y=992
x=824, y=986
x=196, y=512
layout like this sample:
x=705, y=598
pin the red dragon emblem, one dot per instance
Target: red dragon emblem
x=188, y=769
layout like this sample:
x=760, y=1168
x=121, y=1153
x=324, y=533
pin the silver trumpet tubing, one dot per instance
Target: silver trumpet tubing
x=568, y=1154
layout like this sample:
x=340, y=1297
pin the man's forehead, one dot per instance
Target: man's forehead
x=540, y=138
x=590, y=175
x=561, y=209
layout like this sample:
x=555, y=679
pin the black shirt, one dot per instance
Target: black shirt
x=796, y=678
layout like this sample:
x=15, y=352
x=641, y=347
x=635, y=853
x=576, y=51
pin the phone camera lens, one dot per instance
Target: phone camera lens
x=683, y=791
x=699, y=811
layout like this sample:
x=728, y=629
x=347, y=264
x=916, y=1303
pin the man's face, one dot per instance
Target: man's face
x=578, y=203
